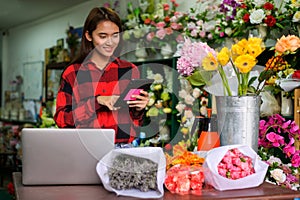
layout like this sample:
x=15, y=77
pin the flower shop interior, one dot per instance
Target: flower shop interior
x=226, y=85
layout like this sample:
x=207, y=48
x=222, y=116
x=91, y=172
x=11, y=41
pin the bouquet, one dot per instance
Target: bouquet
x=283, y=64
x=252, y=175
x=185, y=174
x=235, y=165
x=277, y=148
x=204, y=66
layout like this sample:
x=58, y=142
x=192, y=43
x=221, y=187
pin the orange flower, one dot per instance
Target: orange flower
x=287, y=44
x=182, y=156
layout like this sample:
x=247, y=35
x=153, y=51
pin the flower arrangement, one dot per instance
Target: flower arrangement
x=166, y=24
x=199, y=63
x=277, y=148
x=266, y=19
x=215, y=21
x=135, y=25
x=184, y=171
x=192, y=103
x=235, y=165
x=200, y=21
x=283, y=65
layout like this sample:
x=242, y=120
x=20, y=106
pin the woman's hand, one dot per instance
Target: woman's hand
x=108, y=101
x=140, y=101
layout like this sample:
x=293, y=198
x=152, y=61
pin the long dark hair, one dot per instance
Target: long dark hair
x=96, y=15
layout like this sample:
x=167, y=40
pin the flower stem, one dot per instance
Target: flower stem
x=224, y=80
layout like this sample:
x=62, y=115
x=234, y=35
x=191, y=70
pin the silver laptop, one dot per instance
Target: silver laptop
x=63, y=156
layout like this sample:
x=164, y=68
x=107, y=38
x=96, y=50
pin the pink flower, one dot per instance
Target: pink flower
x=275, y=138
x=150, y=36
x=168, y=31
x=160, y=25
x=277, y=147
x=160, y=34
x=235, y=165
x=296, y=159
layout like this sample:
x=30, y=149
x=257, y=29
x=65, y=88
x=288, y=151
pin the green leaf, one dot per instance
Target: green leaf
x=265, y=75
x=251, y=81
x=196, y=79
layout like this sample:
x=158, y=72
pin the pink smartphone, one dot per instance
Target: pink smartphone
x=134, y=88
x=131, y=92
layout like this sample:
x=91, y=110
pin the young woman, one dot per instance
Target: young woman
x=93, y=82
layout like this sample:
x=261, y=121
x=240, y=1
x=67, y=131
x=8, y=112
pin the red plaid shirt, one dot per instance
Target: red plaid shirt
x=76, y=104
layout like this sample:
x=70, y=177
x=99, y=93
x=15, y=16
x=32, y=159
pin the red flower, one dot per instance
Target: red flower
x=296, y=74
x=270, y=20
x=147, y=21
x=268, y=6
x=168, y=147
x=246, y=17
x=10, y=188
x=167, y=19
x=243, y=6
x=166, y=6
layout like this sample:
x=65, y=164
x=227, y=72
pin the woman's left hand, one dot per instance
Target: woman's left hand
x=140, y=101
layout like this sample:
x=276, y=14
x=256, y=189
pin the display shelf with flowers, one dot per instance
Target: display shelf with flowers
x=158, y=117
x=277, y=148
x=192, y=105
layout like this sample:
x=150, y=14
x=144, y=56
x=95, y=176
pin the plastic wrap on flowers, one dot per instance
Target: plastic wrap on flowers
x=136, y=172
x=253, y=176
x=185, y=179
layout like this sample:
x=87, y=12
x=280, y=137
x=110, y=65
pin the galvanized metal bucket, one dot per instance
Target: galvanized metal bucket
x=238, y=120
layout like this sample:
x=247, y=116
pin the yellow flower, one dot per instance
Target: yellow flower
x=184, y=130
x=254, y=50
x=223, y=56
x=240, y=48
x=210, y=63
x=165, y=96
x=272, y=80
x=167, y=110
x=245, y=63
x=157, y=87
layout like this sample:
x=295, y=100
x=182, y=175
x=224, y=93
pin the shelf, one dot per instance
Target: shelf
x=52, y=85
x=18, y=121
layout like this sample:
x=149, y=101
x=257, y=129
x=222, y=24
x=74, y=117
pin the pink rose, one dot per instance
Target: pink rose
x=160, y=34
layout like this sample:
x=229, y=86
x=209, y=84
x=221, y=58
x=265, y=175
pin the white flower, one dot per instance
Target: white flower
x=188, y=114
x=257, y=16
x=273, y=160
x=278, y=175
x=158, y=78
x=189, y=99
x=228, y=31
x=180, y=107
x=296, y=17
x=259, y=3
x=196, y=92
x=182, y=94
